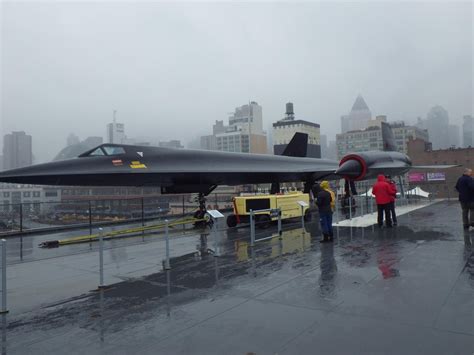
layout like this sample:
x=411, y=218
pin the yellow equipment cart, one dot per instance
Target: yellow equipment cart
x=287, y=203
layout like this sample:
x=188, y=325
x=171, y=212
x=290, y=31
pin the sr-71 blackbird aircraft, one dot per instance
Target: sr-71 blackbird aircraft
x=199, y=171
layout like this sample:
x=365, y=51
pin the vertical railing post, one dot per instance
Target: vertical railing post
x=279, y=222
x=101, y=257
x=350, y=207
x=4, y=276
x=302, y=217
x=252, y=228
x=167, y=238
x=21, y=217
x=90, y=218
x=143, y=217
x=214, y=230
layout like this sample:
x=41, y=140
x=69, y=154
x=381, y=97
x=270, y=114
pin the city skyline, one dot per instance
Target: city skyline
x=165, y=68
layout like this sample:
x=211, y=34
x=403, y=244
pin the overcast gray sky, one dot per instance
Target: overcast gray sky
x=172, y=69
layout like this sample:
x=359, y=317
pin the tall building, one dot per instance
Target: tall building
x=285, y=129
x=244, y=133
x=17, y=150
x=454, y=136
x=72, y=139
x=72, y=151
x=437, y=123
x=358, y=116
x=332, y=150
x=116, y=132
x=468, y=131
x=93, y=141
x=323, y=142
x=371, y=138
x=171, y=144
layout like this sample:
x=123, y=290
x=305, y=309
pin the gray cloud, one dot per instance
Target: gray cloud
x=172, y=69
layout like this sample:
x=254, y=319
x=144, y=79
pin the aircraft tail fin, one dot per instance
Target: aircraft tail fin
x=388, y=139
x=298, y=146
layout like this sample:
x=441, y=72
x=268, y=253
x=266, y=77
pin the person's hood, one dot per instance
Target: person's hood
x=380, y=178
x=324, y=185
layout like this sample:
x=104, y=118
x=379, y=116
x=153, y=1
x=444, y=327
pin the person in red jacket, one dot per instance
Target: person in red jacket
x=383, y=196
x=391, y=207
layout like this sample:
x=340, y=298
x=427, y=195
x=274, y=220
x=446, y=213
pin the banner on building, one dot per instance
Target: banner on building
x=436, y=176
x=416, y=177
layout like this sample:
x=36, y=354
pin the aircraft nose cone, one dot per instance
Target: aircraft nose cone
x=350, y=168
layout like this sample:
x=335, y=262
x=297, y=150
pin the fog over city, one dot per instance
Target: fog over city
x=172, y=69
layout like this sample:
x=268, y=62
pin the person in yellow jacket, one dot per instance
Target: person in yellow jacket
x=326, y=201
x=325, y=186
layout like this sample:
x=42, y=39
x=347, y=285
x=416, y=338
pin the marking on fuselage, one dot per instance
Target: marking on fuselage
x=140, y=154
x=137, y=165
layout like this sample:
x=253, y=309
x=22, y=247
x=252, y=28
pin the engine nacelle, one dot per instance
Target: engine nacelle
x=367, y=165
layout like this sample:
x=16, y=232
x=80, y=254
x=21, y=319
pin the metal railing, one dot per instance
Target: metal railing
x=27, y=217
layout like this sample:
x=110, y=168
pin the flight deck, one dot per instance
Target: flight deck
x=403, y=290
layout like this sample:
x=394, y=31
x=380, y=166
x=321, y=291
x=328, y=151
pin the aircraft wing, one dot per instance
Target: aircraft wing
x=433, y=167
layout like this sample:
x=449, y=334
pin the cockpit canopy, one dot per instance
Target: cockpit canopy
x=104, y=150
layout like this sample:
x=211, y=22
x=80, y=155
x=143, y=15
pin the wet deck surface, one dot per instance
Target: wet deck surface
x=406, y=290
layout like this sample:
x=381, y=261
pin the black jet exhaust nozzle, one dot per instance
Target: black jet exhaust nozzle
x=350, y=168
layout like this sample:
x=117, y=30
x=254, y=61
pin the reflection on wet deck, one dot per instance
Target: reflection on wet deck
x=288, y=294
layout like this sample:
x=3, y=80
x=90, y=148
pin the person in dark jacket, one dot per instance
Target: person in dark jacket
x=391, y=206
x=323, y=201
x=382, y=192
x=465, y=187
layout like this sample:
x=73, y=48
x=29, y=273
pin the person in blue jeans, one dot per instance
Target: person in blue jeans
x=465, y=187
x=323, y=201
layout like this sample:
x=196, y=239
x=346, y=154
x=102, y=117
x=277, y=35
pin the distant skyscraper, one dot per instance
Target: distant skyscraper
x=371, y=138
x=243, y=134
x=454, y=136
x=116, y=132
x=93, y=141
x=72, y=139
x=324, y=145
x=437, y=123
x=358, y=117
x=72, y=151
x=332, y=150
x=17, y=150
x=285, y=129
x=171, y=144
x=468, y=131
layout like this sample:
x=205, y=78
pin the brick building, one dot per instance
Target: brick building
x=422, y=154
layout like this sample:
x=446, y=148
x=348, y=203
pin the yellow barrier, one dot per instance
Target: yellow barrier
x=115, y=234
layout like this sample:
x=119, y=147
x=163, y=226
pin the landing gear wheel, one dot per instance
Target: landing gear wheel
x=232, y=221
x=263, y=221
x=199, y=214
x=208, y=221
